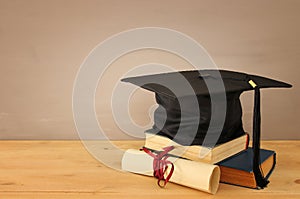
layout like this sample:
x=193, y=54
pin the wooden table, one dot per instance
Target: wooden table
x=64, y=169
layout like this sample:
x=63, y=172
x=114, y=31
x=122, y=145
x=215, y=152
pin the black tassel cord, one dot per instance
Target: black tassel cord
x=260, y=180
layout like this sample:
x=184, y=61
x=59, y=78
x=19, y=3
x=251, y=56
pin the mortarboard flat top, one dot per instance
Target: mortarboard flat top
x=233, y=81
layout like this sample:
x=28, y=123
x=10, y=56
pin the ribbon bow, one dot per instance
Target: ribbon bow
x=160, y=165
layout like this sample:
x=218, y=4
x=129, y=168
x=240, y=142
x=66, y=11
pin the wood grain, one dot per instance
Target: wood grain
x=64, y=169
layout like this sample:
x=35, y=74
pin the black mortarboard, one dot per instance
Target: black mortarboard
x=213, y=90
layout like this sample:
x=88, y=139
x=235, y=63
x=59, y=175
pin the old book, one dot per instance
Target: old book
x=238, y=169
x=197, y=175
x=197, y=152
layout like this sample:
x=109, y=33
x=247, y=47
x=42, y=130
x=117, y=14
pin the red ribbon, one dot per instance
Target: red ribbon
x=160, y=165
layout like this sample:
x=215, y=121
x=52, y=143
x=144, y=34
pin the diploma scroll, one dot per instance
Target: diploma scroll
x=197, y=175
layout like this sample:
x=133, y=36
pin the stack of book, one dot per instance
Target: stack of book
x=233, y=157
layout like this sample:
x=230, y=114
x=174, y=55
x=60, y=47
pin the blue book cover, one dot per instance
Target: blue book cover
x=244, y=159
x=232, y=167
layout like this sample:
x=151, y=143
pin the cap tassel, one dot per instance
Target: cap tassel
x=260, y=180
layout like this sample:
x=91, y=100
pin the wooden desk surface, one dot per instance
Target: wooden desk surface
x=64, y=169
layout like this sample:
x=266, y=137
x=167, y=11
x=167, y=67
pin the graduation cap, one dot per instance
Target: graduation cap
x=204, y=105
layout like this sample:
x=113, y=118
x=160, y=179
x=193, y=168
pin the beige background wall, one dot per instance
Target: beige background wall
x=43, y=43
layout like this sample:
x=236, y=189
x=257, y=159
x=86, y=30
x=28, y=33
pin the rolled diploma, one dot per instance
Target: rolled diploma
x=197, y=175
